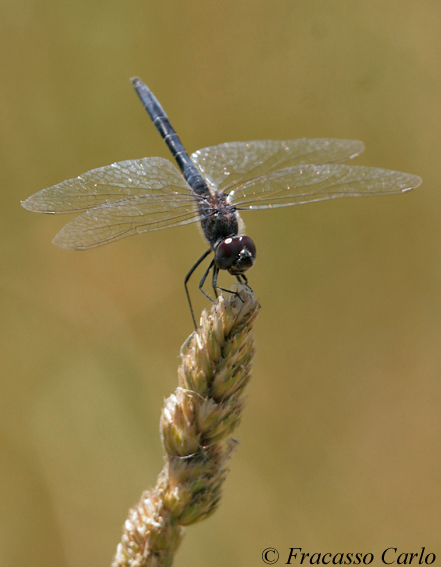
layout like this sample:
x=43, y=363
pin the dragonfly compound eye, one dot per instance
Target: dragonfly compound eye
x=235, y=254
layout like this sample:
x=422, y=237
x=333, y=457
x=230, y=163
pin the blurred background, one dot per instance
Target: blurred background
x=340, y=441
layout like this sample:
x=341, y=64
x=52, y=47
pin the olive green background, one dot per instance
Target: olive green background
x=340, y=441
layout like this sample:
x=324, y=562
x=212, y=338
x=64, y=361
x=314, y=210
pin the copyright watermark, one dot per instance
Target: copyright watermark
x=390, y=556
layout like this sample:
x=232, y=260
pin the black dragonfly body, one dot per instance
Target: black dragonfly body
x=141, y=195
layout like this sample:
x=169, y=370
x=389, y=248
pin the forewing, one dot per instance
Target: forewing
x=146, y=176
x=309, y=183
x=127, y=217
x=235, y=162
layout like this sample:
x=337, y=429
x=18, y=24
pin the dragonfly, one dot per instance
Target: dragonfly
x=214, y=185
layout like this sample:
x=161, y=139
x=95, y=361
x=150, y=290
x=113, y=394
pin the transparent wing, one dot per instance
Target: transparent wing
x=235, y=162
x=127, y=217
x=147, y=176
x=309, y=183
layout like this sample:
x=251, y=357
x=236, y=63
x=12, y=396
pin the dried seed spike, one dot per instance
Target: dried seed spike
x=195, y=426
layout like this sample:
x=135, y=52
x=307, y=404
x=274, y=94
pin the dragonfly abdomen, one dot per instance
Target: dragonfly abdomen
x=164, y=127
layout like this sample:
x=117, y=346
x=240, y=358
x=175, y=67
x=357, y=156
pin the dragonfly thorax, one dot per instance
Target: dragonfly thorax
x=235, y=254
x=219, y=219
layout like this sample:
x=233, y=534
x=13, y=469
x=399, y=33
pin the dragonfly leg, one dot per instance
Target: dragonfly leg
x=188, y=276
x=244, y=280
x=204, y=277
x=215, y=272
x=216, y=287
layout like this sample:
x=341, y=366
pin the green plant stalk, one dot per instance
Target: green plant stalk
x=196, y=424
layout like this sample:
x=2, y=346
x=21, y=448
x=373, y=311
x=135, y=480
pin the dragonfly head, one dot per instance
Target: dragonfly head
x=235, y=254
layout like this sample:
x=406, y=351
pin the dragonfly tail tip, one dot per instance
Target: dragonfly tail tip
x=136, y=81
